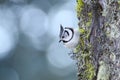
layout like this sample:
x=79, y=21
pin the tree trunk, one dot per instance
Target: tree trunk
x=99, y=48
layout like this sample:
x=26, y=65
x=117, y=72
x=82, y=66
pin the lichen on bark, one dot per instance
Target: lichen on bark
x=99, y=47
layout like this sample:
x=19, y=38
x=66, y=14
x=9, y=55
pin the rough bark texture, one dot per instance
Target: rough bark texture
x=98, y=57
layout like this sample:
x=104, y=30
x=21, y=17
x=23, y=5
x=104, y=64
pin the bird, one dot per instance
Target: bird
x=69, y=37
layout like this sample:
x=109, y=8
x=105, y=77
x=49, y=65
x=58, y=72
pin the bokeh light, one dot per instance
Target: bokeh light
x=6, y=42
x=58, y=56
x=29, y=30
x=8, y=32
x=59, y=60
x=34, y=24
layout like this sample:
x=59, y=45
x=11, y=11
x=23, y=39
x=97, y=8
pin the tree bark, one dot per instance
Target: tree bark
x=99, y=47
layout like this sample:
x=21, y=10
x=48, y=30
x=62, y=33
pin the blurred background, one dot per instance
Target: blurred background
x=29, y=35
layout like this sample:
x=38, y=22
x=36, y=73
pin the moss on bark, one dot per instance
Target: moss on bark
x=97, y=54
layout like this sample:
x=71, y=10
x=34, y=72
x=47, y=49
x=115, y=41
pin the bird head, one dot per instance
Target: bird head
x=66, y=34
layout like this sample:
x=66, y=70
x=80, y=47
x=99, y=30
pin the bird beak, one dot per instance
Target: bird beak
x=60, y=41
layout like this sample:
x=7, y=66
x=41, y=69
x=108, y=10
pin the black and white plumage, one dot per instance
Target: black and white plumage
x=69, y=37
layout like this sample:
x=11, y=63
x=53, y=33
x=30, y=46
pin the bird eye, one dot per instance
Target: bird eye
x=63, y=36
